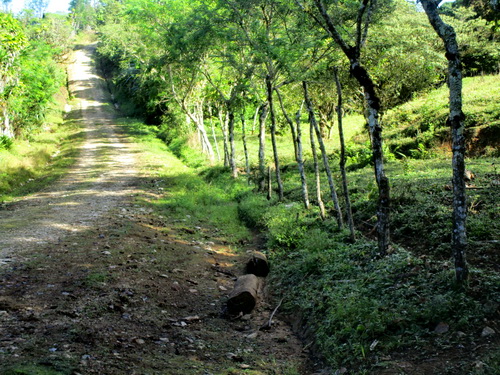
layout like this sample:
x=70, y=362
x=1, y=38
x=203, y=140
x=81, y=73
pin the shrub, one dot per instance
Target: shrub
x=6, y=142
x=284, y=225
x=251, y=210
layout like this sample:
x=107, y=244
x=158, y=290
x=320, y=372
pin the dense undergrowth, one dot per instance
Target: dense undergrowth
x=359, y=309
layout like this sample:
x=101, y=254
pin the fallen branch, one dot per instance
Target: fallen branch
x=270, y=321
x=220, y=270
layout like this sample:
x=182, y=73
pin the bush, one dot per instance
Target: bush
x=284, y=225
x=251, y=210
x=361, y=308
x=6, y=142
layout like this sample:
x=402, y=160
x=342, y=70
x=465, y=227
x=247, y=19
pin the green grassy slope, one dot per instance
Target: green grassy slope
x=422, y=122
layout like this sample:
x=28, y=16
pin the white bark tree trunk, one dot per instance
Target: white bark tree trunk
x=245, y=148
x=347, y=199
x=264, y=110
x=314, y=123
x=456, y=123
x=300, y=161
x=273, y=137
x=232, y=154
x=317, y=178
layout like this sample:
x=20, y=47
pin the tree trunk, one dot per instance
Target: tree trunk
x=289, y=121
x=455, y=121
x=314, y=123
x=232, y=155
x=273, y=137
x=258, y=264
x=269, y=183
x=316, y=172
x=297, y=144
x=264, y=108
x=243, y=297
x=214, y=136
x=300, y=161
x=373, y=107
x=245, y=149
x=348, y=209
x=223, y=128
x=197, y=118
x=255, y=118
x=382, y=181
x=5, y=128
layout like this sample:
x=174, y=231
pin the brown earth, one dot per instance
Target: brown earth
x=92, y=281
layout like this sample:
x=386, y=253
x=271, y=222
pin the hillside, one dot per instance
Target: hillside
x=421, y=123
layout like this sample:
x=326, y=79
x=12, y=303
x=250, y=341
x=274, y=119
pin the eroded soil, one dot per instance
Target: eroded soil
x=92, y=281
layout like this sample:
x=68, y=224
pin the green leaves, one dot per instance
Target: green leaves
x=12, y=39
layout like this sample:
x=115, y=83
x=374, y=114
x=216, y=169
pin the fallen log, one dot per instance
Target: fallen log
x=258, y=264
x=243, y=297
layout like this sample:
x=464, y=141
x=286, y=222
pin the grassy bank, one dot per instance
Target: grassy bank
x=30, y=164
x=367, y=314
x=415, y=128
x=186, y=193
x=355, y=311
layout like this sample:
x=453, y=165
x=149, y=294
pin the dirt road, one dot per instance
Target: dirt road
x=103, y=177
x=94, y=282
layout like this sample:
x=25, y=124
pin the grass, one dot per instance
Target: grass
x=421, y=123
x=186, y=193
x=31, y=164
x=36, y=370
x=358, y=308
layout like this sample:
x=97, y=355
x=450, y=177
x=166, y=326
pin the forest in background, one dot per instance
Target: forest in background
x=233, y=86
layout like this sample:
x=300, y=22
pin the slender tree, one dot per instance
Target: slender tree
x=264, y=110
x=193, y=109
x=214, y=135
x=372, y=100
x=232, y=154
x=297, y=144
x=223, y=122
x=314, y=123
x=456, y=123
x=289, y=121
x=269, y=85
x=300, y=158
x=317, y=177
x=350, y=221
x=245, y=148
